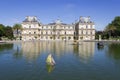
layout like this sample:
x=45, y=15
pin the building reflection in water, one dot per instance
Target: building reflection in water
x=55, y=47
x=30, y=50
x=33, y=50
x=17, y=50
x=85, y=50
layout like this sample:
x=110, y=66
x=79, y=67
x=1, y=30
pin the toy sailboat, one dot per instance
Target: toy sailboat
x=50, y=60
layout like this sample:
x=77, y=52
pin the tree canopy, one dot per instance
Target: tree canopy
x=113, y=28
x=17, y=27
x=6, y=32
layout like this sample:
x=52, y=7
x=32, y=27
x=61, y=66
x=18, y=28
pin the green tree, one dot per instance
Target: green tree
x=97, y=33
x=8, y=32
x=17, y=28
x=116, y=22
x=113, y=28
x=2, y=27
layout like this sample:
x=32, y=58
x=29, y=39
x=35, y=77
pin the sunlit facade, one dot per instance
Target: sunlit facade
x=34, y=30
x=85, y=29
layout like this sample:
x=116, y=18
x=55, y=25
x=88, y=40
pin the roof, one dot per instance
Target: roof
x=30, y=19
x=85, y=20
x=56, y=23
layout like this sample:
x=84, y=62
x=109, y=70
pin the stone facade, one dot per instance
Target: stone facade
x=81, y=30
x=85, y=29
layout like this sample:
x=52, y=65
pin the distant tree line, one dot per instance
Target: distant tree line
x=6, y=32
x=111, y=31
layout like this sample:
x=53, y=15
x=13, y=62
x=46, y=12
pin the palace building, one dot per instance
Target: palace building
x=34, y=30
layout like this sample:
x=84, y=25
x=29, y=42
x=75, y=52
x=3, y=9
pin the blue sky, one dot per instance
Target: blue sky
x=101, y=12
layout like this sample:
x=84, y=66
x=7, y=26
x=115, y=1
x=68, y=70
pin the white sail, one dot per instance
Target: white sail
x=50, y=60
x=53, y=61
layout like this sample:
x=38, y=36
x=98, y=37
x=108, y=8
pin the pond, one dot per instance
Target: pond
x=83, y=61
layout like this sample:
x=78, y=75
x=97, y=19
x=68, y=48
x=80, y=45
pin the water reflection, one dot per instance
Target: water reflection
x=32, y=50
x=69, y=58
x=85, y=51
x=50, y=68
x=114, y=50
x=100, y=47
x=4, y=47
x=17, y=51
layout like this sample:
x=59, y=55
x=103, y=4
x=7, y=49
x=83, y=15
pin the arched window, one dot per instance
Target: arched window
x=74, y=33
x=82, y=32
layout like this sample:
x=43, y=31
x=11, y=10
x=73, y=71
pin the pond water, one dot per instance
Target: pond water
x=85, y=61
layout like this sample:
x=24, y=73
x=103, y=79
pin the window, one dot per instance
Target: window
x=91, y=27
x=74, y=33
x=50, y=37
x=91, y=32
x=29, y=26
x=82, y=32
x=58, y=33
x=41, y=32
x=65, y=32
x=69, y=38
x=38, y=29
x=86, y=32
